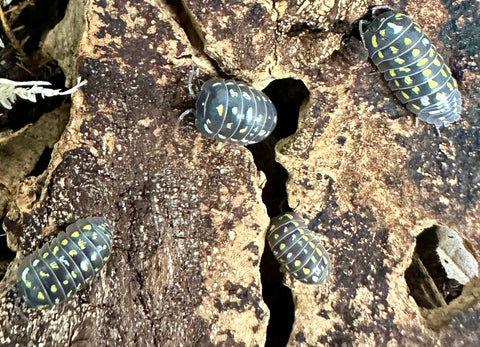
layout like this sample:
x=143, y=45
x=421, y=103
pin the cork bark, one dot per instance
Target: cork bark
x=189, y=218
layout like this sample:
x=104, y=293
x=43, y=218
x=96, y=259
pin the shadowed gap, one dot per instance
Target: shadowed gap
x=287, y=95
x=6, y=255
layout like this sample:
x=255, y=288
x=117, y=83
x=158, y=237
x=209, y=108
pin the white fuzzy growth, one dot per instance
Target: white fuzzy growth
x=11, y=90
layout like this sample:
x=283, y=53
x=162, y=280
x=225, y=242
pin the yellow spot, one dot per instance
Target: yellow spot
x=325, y=260
x=282, y=246
x=415, y=52
x=74, y=274
x=415, y=89
x=40, y=296
x=275, y=236
x=44, y=274
x=81, y=244
x=289, y=216
x=444, y=73
x=382, y=32
x=87, y=227
x=399, y=60
x=415, y=106
x=432, y=84
x=73, y=252
x=380, y=55
x=75, y=234
x=427, y=72
x=405, y=95
x=374, y=41
x=83, y=266
x=437, y=62
x=45, y=254
x=306, y=271
x=408, y=80
x=65, y=282
x=106, y=258
x=64, y=242
x=53, y=288
x=287, y=267
x=97, y=269
x=94, y=235
x=407, y=41
x=297, y=263
x=440, y=96
x=399, y=16
x=55, y=249
x=319, y=252
x=455, y=82
x=222, y=137
x=219, y=109
x=431, y=53
x=54, y=265
x=422, y=62
x=394, y=49
x=404, y=69
x=241, y=131
x=314, y=260
x=28, y=284
x=295, y=223
x=392, y=73
x=397, y=83
x=301, y=231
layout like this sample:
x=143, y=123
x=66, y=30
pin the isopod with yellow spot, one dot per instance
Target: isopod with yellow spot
x=414, y=70
x=298, y=249
x=60, y=268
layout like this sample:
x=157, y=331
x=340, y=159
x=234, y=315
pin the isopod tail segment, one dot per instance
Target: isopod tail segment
x=410, y=63
x=231, y=111
x=298, y=250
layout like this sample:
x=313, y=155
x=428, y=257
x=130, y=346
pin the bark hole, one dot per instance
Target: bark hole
x=442, y=264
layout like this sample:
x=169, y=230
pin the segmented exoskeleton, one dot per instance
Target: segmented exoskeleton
x=298, y=249
x=231, y=111
x=59, y=269
x=415, y=72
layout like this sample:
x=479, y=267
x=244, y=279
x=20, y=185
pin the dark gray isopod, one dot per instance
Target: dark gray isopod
x=415, y=72
x=59, y=269
x=231, y=111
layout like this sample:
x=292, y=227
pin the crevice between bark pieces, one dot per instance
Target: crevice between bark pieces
x=182, y=16
x=287, y=95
